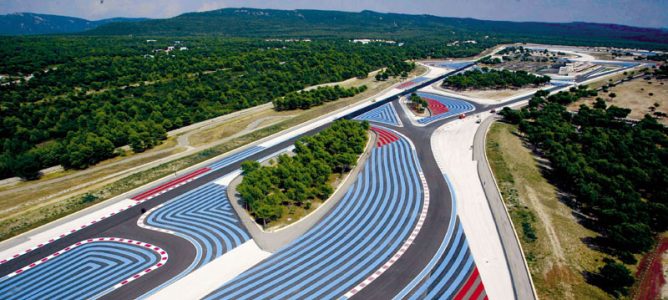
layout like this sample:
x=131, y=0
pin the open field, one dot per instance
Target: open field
x=556, y=255
x=23, y=206
x=635, y=95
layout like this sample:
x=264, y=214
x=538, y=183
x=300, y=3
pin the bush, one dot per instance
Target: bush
x=614, y=278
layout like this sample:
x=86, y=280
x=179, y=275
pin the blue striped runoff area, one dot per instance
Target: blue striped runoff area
x=87, y=271
x=205, y=217
x=366, y=227
x=384, y=114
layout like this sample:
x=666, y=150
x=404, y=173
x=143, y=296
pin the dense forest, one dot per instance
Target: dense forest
x=399, y=68
x=299, y=179
x=488, y=60
x=83, y=97
x=315, y=97
x=300, y=23
x=616, y=170
x=493, y=79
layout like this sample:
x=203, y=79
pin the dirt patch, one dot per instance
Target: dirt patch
x=635, y=95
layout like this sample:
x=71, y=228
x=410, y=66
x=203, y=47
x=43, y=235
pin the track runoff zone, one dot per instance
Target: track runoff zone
x=203, y=216
x=444, y=107
x=85, y=270
x=412, y=83
x=384, y=114
x=365, y=233
x=168, y=186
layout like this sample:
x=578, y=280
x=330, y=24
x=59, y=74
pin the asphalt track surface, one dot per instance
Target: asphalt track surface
x=183, y=253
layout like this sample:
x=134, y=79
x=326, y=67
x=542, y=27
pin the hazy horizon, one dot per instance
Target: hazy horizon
x=634, y=13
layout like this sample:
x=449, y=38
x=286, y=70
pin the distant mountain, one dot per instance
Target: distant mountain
x=30, y=23
x=250, y=22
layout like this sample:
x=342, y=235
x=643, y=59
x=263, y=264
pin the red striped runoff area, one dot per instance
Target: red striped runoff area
x=384, y=137
x=406, y=85
x=436, y=107
x=473, y=287
x=163, y=188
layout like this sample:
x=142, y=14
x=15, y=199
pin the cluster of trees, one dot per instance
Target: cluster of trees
x=315, y=97
x=488, y=60
x=616, y=170
x=418, y=103
x=297, y=180
x=661, y=72
x=398, y=68
x=493, y=79
x=102, y=91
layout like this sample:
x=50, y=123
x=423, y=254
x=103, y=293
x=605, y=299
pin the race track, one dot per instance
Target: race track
x=362, y=233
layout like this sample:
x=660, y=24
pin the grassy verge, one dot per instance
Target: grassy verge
x=552, y=239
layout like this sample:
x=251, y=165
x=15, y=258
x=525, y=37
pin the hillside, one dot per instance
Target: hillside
x=30, y=23
x=316, y=23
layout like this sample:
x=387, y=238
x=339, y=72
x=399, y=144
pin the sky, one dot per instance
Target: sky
x=643, y=13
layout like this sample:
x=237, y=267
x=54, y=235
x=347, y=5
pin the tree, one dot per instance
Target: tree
x=511, y=116
x=614, y=278
x=249, y=166
x=600, y=103
x=298, y=180
x=137, y=143
x=27, y=166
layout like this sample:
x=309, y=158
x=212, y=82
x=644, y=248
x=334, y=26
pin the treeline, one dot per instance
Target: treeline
x=617, y=171
x=399, y=68
x=300, y=179
x=315, y=97
x=488, y=60
x=493, y=79
x=98, y=93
